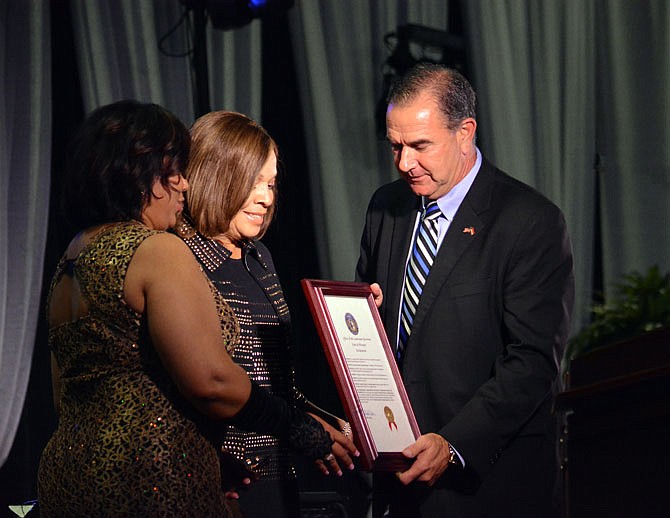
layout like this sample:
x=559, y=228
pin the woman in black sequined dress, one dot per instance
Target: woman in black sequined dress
x=232, y=177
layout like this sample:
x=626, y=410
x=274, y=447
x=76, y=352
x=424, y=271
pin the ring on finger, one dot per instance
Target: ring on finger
x=346, y=430
x=330, y=457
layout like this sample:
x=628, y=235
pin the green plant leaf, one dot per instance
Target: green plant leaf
x=641, y=303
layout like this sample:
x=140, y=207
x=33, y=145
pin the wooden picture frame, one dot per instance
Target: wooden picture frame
x=365, y=372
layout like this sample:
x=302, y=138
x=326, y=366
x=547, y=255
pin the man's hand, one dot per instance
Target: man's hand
x=432, y=459
x=377, y=294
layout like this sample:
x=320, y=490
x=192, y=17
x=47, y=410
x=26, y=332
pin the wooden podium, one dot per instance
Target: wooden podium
x=616, y=449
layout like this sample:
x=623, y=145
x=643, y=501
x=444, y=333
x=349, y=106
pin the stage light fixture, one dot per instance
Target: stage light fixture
x=232, y=14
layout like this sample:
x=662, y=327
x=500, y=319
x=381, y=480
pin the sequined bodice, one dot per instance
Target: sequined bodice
x=127, y=443
x=251, y=287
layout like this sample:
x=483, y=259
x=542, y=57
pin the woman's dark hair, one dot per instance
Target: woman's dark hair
x=115, y=157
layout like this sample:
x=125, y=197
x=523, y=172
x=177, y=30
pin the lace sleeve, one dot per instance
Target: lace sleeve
x=269, y=414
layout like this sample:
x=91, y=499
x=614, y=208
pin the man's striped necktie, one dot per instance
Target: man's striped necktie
x=418, y=268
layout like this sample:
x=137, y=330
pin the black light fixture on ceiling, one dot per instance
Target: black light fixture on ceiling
x=224, y=15
x=232, y=14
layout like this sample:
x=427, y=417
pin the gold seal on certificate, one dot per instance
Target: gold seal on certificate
x=364, y=370
x=389, y=417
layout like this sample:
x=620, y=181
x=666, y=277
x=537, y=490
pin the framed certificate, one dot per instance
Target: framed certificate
x=364, y=370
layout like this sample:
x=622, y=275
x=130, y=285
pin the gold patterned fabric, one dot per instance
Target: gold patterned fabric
x=127, y=443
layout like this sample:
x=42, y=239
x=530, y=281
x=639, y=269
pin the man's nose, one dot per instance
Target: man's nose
x=406, y=160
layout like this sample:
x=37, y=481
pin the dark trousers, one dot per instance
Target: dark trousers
x=522, y=484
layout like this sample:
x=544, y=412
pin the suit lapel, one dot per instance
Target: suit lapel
x=468, y=223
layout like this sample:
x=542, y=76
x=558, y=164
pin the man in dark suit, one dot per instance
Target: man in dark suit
x=486, y=337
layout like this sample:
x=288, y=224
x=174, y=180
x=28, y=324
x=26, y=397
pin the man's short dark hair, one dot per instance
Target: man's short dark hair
x=452, y=92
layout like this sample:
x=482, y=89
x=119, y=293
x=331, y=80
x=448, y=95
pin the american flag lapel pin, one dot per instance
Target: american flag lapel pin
x=469, y=230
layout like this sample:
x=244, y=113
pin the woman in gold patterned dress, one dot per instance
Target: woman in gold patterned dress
x=232, y=173
x=140, y=359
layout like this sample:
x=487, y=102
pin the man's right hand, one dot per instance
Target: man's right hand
x=377, y=294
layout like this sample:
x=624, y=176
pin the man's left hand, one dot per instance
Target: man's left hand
x=431, y=452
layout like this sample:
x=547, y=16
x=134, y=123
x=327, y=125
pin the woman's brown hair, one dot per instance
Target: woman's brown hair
x=228, y=150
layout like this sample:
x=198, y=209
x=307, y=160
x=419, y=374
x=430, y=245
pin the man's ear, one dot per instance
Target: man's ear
x=467, y=131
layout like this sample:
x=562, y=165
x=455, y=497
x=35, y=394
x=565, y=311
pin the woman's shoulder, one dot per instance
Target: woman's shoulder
x=161, y=262
x=112, y=238
x=161, y=244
